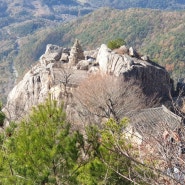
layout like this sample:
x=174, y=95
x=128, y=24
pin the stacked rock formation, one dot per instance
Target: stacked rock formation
x=76, y=54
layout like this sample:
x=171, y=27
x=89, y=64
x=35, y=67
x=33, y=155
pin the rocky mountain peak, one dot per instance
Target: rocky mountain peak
x=61, y=69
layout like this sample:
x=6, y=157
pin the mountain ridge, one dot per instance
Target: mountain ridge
x=61, y=70
x=150, y=31
x=137, y=26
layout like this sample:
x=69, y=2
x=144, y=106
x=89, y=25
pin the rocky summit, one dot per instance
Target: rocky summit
x=61, y=70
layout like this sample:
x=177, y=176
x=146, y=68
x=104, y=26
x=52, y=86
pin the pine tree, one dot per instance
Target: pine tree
x=2, y=116
x=113, y=44
x=41, y=150
x=116, y=156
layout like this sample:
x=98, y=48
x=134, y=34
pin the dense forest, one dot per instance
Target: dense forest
x=158, y=34
x=46, y=147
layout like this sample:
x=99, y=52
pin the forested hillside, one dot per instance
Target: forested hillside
x=155, y=4
x=155, y=33
x=159, y=34
x=22, y=18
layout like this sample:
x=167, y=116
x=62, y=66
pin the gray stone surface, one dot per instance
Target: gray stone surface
x=132, y=52
x=145, y=58
x=30, y=91
x=93, y=70
x=52, y=54
x=83, y=65
x=53, y=49
x=64, y=57
x=153, y=78
x=122, y=50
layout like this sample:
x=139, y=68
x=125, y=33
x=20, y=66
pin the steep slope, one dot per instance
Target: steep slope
x=19, y=19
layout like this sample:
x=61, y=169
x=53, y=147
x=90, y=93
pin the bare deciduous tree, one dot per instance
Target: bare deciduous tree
x=159, y=139
x=155, y=151
x=66, y=76
x=106, y=96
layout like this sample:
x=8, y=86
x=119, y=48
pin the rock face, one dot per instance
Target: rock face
x=54, y=74
x=30, y=91
x=37, y=85
x=154, y=78
x=133, y=52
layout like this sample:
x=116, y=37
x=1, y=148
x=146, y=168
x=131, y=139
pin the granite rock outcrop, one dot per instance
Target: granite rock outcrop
x=60, y=70
x=153, y=77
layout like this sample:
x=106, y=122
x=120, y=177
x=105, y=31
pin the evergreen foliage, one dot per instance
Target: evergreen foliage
x=155, y=4
x=41, y=150
x=2, y=116
x=115, y=151
x=102, y=142
x=158, y=34
x=113, y=44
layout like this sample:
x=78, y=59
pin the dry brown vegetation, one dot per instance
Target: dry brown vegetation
x=103, y=96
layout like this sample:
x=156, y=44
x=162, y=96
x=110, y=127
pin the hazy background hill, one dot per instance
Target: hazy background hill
x=27, y=26
x=21, y=18
x=155, y=4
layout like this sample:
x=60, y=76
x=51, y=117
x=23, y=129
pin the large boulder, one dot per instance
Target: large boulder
x=153, y=78
x=133, y=52
x=122, y=50
x=83, y=65
x=64, y=57
x=113, y=63
x=103, y=57
x=91, y=53
x=50, y=48
x=53, y=53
